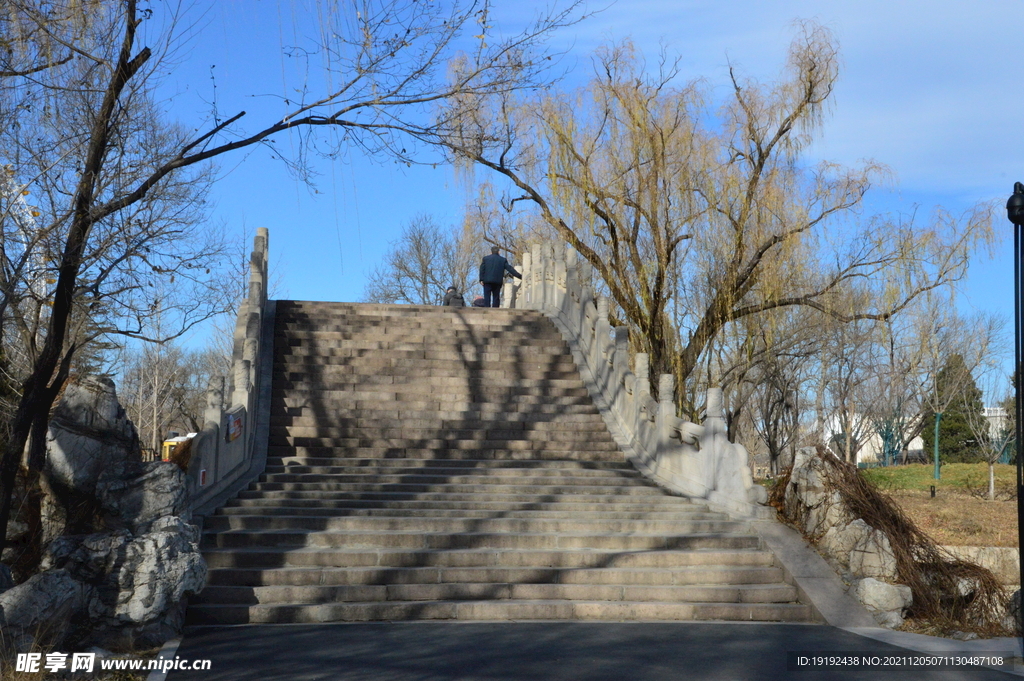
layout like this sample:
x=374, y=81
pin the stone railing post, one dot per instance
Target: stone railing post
x=584, y=272
x=601, y=340
x=243, y=369
x=256, y=277
x=524, y=285
x=666, y=406
x=559, y=288
x=714, y=435
x=643, y=375
x=547, y=275
x=620, y=356
x=536, y=277
x=214, y=401
x=602, y=316
x=571, y=269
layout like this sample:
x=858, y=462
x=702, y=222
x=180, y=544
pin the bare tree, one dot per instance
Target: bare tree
x=163, y=385
x=389, y=63
x=938, y=332
x=777, y=405
x=848, y=365
x=992, y=428
x=424, y=261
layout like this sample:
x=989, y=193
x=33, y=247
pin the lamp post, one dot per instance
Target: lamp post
x=1015, y=212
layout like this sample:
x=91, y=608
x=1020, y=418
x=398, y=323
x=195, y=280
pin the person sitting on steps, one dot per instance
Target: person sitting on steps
x=492, y=276
x=452, y=298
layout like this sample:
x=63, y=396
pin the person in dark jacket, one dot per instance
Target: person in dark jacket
x=452, y=298
x=492, y=275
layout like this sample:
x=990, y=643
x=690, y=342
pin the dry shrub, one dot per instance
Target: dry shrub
x=777, y=492
x=937, y=579
x=182, y=455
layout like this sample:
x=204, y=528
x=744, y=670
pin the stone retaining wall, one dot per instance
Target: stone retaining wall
x=1003, y=561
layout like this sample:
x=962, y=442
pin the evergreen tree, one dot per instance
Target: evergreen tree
x=956, y=390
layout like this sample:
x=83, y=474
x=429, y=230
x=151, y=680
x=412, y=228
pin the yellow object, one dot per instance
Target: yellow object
x=168, y=449
x=171, y=444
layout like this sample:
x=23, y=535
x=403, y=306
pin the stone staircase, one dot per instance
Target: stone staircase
x=439, y=463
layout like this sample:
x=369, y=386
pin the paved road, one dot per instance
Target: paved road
x=522, y=651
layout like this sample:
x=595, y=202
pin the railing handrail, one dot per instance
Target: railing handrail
x=223, y=450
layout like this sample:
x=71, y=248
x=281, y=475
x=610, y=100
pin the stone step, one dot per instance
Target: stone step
x=553, y=368
x=717, y=534
x=339, y=400
x=441, y=497
x=535, y=466
x=468, y=591
x=275, y=557
x=549, y=489
x=595, y=484
x=413, y=339
x=474, y=334
x=443, y=322
x=414, y=314
x=439, y=463
x=574, y=432
x=331, y=396
x=467, y=378
x=274, y=508
x=417, y=313
x=501, y=388
x=684, y=575
x=501, y=452
x=436, y=409
x=481, y=508
x=578, y=525
x=514, y=420
x=437, y=447
x=506, y=609
x=287, y=356
x=366, y=467
x=550, y=445
x=309, y=407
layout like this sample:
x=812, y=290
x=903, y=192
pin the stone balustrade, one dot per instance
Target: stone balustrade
x=695, y=459
x=223, y=451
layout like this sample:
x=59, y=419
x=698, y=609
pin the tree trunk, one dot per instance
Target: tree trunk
x=991, y=481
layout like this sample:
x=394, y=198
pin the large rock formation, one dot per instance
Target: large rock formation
x=90, y=437
x=135, y=584
x=41, y=610
x=887, y=602
x=858, y=551
x=846, y=539
x=122, y=578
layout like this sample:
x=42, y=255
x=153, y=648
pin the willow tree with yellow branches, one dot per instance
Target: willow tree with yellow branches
x=698, y=214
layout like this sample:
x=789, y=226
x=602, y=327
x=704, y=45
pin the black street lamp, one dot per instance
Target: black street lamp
x=1015, y=212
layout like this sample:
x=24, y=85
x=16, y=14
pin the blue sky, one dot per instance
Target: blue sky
x=925, y=87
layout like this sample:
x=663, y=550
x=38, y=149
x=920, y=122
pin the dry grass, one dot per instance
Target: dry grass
x=8, y=666
x=960, y=519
